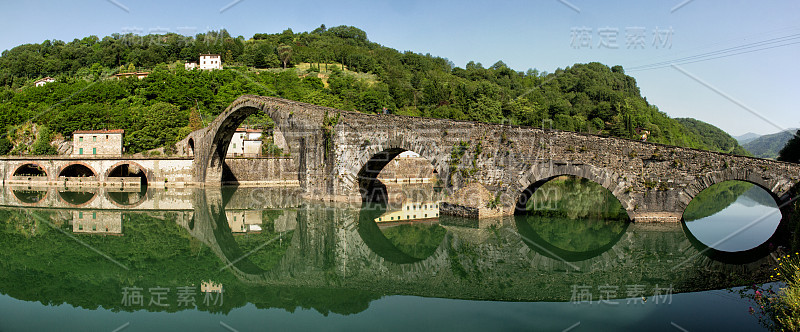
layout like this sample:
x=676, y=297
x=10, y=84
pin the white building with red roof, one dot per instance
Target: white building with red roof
x=43, y=81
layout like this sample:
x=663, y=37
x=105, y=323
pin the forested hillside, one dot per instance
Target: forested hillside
x=713, y=137
x=337, y=67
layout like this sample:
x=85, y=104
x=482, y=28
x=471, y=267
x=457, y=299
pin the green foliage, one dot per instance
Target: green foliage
x=778, y=310
x=791, y=151
x=328, y=123
x=5, y=146
x=416, y=240
x=577, y=235
x=269, y=149
x=357, y=75
x=42, y=146
x=712, y=137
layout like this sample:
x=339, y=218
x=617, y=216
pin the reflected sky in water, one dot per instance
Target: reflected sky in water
x=747, y=222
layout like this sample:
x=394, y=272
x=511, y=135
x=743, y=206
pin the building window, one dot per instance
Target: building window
x=94, y=215
x=80, y=151
x=80, y=138
x=234, y=145
x=94, y=138
x=80, y=215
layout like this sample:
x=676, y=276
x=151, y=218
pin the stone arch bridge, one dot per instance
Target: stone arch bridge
x=338, y=155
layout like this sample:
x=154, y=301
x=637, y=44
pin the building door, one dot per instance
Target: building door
x=94, y=150
x=80, y=151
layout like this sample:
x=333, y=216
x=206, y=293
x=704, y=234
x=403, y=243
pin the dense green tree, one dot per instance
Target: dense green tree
x=791, y=151
x=285, y=54
x=5, y=146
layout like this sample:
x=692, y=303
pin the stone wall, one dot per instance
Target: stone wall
x=260, y=171
x=407, y=170
x=653, y=182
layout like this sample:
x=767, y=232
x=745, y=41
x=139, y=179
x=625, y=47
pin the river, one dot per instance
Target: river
x=243, y=259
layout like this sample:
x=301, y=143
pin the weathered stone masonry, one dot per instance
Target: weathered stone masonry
x=339, y=154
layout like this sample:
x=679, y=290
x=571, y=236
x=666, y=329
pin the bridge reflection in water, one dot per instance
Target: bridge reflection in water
x=256, y=240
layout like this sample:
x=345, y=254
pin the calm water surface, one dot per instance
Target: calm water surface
x=261, y=258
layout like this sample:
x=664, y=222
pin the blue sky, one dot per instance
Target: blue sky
x=750, y=92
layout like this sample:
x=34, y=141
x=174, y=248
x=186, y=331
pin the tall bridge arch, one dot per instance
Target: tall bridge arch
x=300, y=123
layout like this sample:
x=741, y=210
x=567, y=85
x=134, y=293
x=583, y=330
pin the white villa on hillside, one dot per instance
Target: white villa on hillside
x=43, y=81
x=210, y=61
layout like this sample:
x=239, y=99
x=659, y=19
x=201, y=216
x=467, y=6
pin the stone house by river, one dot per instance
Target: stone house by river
x=92, y=143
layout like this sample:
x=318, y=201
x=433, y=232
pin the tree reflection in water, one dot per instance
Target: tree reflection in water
x=574, y=214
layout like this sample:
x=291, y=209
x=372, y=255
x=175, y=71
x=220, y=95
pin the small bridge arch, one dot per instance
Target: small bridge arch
x=372, y=159
x=78, y=169
x=541, y=173
x=130, y=169
x=779, y=189
x=31, y=168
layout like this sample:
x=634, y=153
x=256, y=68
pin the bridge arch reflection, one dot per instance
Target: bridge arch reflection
x=29, y=196
x=734, y=257
x=544, y=247
x=376, y=240
x=124, y=198
x=77, y=198
x=211, y=225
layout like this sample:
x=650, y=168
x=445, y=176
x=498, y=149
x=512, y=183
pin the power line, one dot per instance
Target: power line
x=723, y=53
x=709, y=47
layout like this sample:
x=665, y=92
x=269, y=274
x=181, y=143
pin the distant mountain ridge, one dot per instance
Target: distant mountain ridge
x=768, y=146
x=746, y=137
